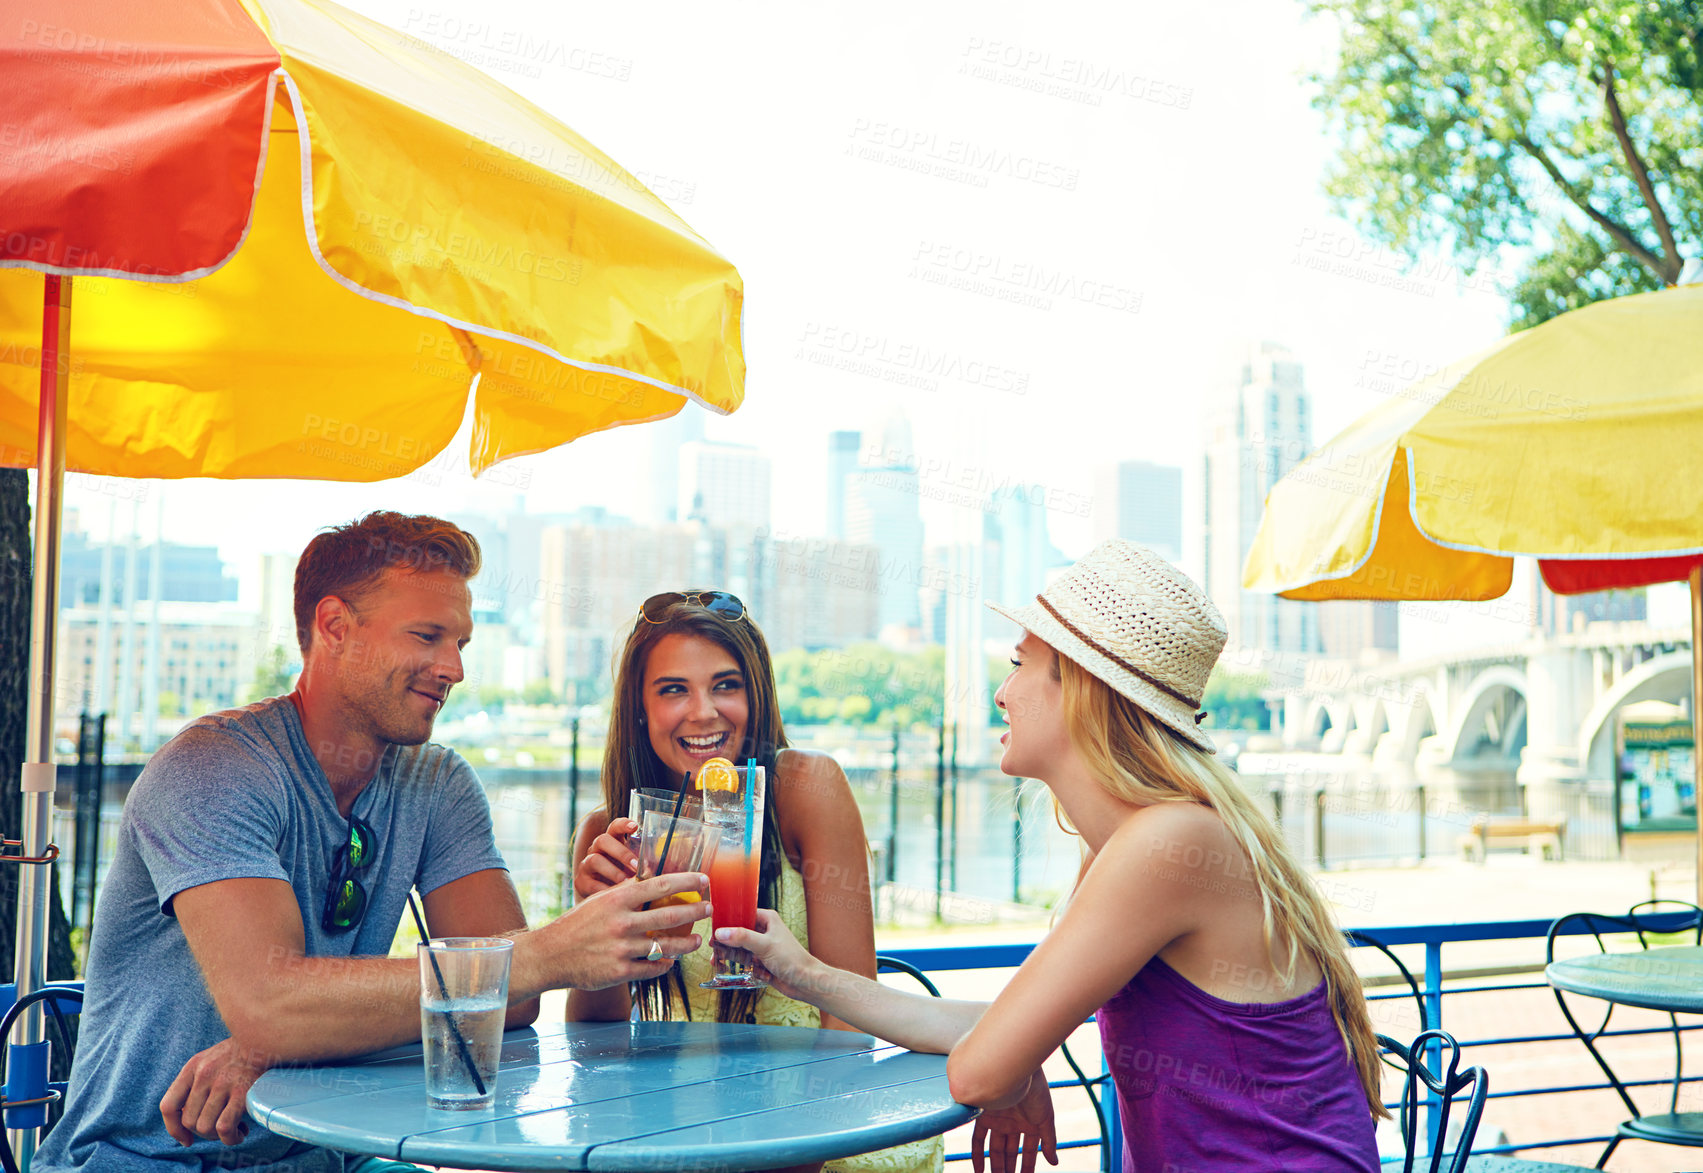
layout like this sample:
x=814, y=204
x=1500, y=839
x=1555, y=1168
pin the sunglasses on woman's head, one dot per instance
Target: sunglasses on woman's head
x=655, y=608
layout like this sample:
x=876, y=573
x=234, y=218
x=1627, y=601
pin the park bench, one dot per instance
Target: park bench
x=1543, y=836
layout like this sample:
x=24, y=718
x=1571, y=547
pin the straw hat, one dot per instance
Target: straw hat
x=1138, y=623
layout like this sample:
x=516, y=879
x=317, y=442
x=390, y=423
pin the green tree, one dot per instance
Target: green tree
x=1237, y=701
x=864, y=684
x=275, y=675
x=1567, y=129
x=540, y=692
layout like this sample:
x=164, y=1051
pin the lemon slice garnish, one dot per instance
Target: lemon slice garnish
x=718, y=774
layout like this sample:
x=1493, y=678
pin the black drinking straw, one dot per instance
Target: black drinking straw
x=460, y=1043
x=679, y=801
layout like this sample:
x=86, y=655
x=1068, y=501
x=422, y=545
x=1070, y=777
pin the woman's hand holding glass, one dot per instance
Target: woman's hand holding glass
x=609, y=862
x=781, y=960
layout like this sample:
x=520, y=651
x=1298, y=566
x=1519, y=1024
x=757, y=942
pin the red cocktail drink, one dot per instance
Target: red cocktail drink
x=733, y=889
x=734, y=806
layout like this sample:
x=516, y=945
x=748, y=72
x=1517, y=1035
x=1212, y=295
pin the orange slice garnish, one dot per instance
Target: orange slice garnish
x=718, y=774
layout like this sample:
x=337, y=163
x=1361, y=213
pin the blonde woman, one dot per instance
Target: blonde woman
x=1234, y=1027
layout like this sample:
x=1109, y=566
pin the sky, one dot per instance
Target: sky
x=1155, y=208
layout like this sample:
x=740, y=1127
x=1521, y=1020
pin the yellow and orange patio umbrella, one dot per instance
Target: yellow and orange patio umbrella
x=296, y=237
x=1575, y=443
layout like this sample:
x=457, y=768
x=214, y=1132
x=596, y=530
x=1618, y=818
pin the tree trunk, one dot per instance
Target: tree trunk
x=15, y=538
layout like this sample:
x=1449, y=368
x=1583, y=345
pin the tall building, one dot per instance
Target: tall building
x=842, y=461
x=596, y=576
x=659, y=495
x=491, y=599
x=883, y=510
x=821, y=594
x=962, y=590
x=278, y=603
x=1020, y=550
x=1259, y=430
x=1143, y=502
x=724, y=484
x=200, y=657
x=187, y=574
x=1560, y=614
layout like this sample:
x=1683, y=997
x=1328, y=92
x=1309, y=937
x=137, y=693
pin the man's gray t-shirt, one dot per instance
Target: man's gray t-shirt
x=238, y=795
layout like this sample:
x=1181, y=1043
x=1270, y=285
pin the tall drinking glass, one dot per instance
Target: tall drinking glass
x=464, y=995
x=737, y=813
x=672, y=844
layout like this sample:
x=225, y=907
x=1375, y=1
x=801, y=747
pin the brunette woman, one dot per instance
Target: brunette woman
x=694, y=682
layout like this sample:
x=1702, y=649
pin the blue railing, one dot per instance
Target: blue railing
x=1432, y=938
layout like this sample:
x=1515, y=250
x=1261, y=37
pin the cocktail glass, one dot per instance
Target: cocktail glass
x=654, y=799
x=670, y=844
x=737, y=814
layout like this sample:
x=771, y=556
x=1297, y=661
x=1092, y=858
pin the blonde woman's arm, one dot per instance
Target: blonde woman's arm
x=1132, y=902
x=822, y=828
x=915, y=1021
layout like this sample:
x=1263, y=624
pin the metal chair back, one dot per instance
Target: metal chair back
x=1095, y=1086
x=1447, y=1083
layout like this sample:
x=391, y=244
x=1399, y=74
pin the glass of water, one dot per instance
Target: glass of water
x=464, y=995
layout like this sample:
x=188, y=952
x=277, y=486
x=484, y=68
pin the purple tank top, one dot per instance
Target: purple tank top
x=1231, y=1087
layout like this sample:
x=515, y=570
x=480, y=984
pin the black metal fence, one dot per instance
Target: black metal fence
x=953, y=841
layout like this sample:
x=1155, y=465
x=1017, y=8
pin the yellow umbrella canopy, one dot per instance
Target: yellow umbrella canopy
x=348, y=226
x=1574, y=443
x=295, y=237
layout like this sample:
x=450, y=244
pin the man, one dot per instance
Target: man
x=264, y=863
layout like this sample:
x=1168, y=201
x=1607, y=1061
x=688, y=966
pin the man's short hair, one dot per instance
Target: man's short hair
x=347, y=560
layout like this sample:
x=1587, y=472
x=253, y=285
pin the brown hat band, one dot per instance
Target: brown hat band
x=1115, y=658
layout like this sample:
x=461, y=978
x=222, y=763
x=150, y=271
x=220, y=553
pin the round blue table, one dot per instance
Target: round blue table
x=1656, y=979
x=628, y=1097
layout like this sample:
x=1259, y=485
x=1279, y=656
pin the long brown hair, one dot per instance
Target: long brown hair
x=1140, y=761
x=628, y=748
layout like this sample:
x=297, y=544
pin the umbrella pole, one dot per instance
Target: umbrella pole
x=1696, y=716
x=38, y=772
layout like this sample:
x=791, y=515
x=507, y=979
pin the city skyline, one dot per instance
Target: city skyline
x=946, y=222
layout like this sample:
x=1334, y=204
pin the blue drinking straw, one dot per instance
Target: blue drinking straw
x=750, y=798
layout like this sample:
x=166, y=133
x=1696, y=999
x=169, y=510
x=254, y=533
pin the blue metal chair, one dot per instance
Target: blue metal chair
x=1447, y=1083
x=1096, y=1086
x=1474, y=1164
x=1673, y=1126
x=28, y=1094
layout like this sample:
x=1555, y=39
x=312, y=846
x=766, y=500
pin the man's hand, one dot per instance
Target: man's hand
x=608, y=862
x=210, y=1095
x=1020, y=1129
x=602, y=942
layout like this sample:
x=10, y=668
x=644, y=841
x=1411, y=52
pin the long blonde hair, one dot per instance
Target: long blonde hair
x=1139, y=760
